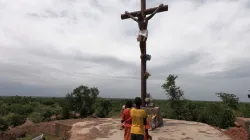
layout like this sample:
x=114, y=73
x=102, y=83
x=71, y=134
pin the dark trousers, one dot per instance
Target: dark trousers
x=137, y=137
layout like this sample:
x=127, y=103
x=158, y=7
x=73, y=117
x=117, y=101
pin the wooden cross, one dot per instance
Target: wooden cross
x=142, y=21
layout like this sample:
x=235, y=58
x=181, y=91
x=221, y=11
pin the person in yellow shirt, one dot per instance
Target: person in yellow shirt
x=139, y=120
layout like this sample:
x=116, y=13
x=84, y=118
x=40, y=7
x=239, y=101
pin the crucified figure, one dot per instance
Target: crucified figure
x=143, y=22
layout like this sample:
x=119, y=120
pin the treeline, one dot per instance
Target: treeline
x=221, y=114
x=84, y=101
x=81, y=102
x=15, y=110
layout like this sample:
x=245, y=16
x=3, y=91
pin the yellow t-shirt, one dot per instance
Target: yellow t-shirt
x=137, y=116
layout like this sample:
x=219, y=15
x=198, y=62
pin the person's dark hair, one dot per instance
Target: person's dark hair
x=138, y=101
x=129, y=104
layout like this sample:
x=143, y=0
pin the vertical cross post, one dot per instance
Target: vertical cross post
x=143, y=60
x=142, y=21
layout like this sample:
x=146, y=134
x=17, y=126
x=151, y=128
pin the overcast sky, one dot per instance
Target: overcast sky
x=49, y=47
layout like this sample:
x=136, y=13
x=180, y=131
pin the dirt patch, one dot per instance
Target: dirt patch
x=12, y=134
x=55, y=128
x=93, y=129
x=237, y=133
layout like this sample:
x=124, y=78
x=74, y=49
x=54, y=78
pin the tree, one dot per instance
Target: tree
x=175, y=95
x=15, y=119
x=172, y=91
x=229, y=100
x=21, y=109
x=48, y=102
x=230, y=103
x=103, y=108
x=36, y=117
x=82, y=100
x=46, y=113
x=4, y=109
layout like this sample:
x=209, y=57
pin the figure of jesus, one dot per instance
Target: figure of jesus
x=143, y=22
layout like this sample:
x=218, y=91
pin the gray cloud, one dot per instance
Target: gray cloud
x=47, y=48
x=237, y=70
x=180, y=63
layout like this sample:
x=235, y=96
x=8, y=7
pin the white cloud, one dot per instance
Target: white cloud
x=48, y=42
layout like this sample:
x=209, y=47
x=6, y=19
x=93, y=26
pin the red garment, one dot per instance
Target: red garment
x=121, y=125
x=127, y=118
x=127, y=135
x=147, y=137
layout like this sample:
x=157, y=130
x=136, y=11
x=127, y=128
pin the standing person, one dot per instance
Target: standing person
x=146, y=135
x=139, y=120
x=126, y=120
x=122, y=125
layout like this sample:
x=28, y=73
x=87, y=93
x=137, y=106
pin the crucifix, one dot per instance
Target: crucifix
x=141, y=18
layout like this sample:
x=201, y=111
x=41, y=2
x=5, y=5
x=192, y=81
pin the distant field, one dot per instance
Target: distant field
x=166, y=110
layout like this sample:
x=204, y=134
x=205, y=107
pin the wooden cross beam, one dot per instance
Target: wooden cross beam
x=147, y=12
x=142, y=21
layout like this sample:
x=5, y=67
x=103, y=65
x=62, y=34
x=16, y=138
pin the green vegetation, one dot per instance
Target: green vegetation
x=85, y=101
x=221, y=114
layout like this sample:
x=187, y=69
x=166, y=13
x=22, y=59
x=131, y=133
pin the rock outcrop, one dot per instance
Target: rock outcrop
x=155, y=116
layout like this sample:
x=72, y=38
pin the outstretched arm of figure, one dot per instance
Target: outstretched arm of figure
x=156, y=10
x=127, y=13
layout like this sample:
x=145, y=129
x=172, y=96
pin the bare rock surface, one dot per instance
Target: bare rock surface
x=108, y=129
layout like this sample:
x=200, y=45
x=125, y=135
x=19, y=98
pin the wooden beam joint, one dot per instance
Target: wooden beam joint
x=147, y=12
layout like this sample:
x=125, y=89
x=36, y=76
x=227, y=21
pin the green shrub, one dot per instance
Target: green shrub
x=193, y=110
x=65, y=113
x=27, y=109
x=46, y=113
x=211, y=114
x=21, y=109
x=103, y=108
x=48, y=102
x=3, y=124
x=35, y=104
x=227, y=118
x=245, y=109
x=15, y=119
x=36, y=117
x=4, y=109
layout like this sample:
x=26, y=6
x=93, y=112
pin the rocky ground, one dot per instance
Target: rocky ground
x=237, y=133
x=108, y=129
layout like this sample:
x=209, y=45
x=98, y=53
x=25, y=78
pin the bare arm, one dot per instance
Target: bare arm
x=122, y=120
x=156, y=10
x=127, y=13
x=146, y=131
x=123, y=117
x=145, y=121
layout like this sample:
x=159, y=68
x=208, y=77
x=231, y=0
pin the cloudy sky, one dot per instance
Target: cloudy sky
x=49, y=47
